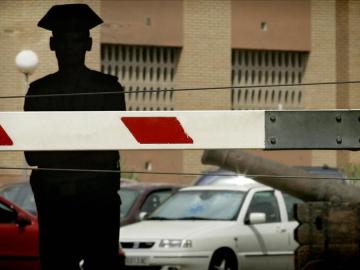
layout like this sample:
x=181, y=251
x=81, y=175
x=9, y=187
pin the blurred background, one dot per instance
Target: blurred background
x=164, y=45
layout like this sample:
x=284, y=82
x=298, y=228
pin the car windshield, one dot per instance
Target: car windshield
x=128, y=197
x=200, y=205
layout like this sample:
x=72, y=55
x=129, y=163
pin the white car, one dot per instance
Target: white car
x=228, y=227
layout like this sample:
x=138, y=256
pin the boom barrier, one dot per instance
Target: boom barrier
x=117, y=130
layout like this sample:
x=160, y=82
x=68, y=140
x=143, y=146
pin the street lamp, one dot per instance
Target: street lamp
x=26, y=61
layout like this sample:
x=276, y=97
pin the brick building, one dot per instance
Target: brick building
x=162, y=45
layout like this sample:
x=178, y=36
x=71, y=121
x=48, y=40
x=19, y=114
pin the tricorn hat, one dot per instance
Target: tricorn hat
x=70, y=18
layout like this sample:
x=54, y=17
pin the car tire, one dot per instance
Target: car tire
x=223, y=260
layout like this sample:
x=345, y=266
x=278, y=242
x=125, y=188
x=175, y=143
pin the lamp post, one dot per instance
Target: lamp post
x=26, y=61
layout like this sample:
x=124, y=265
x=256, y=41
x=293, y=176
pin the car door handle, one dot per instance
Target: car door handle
x=281, y=230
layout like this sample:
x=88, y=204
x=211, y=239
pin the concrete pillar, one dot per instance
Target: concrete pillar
x=205, y=61
x=321, y=67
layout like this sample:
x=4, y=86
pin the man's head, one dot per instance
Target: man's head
x=70, y=25
x=70, y=47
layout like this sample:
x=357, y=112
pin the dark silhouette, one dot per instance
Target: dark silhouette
x=79, y=212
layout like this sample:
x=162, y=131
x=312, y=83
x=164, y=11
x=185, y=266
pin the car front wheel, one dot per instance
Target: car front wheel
x=223, y=261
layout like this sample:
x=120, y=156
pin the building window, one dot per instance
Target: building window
x=253, y=68
x=145, y=72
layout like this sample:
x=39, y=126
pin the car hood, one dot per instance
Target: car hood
x=168, y=229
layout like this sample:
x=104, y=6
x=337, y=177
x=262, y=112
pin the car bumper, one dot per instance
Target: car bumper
x=167, y=260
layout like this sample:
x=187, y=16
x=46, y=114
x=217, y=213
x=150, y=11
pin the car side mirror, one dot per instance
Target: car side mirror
x=22, y=220
x=257, y=218
x=142, y=215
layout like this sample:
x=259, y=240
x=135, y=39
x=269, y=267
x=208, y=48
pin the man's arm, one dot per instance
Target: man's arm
x=115, y=102
x=31, y=104
x=38, y=158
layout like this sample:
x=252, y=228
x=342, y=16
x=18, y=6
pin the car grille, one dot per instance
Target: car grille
x=137, y=244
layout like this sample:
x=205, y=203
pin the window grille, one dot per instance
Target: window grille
x=145, y=72
x=251, y=68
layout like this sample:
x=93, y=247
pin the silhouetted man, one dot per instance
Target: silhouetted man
x=79, y=212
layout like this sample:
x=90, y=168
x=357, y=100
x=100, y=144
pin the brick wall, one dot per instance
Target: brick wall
x=354, y=63
x=19, y=31
x=342, y=67
x=321, y=67
x=205, y=62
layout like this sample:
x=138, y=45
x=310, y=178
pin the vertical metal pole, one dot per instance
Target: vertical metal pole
x=25, y=173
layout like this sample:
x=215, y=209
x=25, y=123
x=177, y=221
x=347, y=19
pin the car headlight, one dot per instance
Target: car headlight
x=175, y=243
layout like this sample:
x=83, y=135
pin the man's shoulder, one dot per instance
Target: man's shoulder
x=100, y=77
x=43, y=85
x=44, y=80
x=102, y=81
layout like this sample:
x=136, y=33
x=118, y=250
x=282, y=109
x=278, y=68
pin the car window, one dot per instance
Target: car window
x=290, y=201
x=128, y=198
x=200, y=204
x=7, y=215
x=10, y=192
x=265, y=202
x=28, y=202
x=21, y=195
x=154, y=199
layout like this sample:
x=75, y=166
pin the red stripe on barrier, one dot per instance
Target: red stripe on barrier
x=4, y=138
x=157, y=130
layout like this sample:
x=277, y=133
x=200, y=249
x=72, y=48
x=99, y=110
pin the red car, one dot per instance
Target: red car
x=18, y=238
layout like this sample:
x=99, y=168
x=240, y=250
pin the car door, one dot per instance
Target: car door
x=289, y=202
x=19, y=243
x=267, y=244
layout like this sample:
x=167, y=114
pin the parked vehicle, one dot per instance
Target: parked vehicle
x=139, y=199
x=18, y=238
x=230, y=227
x=222, y=177
x=20, y=194
x=19, y=229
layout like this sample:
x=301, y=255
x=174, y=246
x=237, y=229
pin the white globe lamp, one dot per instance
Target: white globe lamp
x=27, y=61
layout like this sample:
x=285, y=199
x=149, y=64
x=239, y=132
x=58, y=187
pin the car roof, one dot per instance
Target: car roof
x=325, y=171
x=132, y=184
x=235, y=180
x=224, y=177
x=221, y=176
x=148, y=186
x=209, y=176
x=244, y=187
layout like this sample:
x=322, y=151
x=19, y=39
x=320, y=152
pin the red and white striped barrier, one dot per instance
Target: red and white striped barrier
x=252, y=129
x=114, y=130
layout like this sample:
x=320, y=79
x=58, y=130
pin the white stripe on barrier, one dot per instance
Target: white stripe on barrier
x=112, y=130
